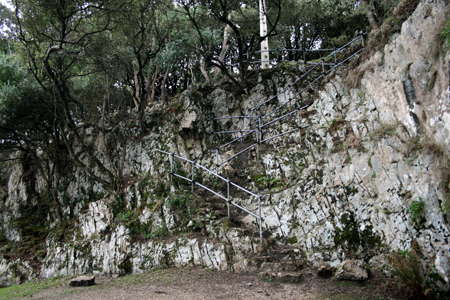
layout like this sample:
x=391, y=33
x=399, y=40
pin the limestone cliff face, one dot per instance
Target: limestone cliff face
x=364, y=172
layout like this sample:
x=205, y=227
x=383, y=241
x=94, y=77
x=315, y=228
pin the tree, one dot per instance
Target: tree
x=239, y=19
x=56, y=35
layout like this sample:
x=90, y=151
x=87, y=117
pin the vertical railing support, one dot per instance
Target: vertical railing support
x=228, y=197
x=172, y=168
x=171, y=163
x=323, y=66
x=258, y=137
x=192, y=176
x=217, y=157
x=260, y=218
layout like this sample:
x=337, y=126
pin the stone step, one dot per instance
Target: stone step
x=281, y=266
x=282, y=277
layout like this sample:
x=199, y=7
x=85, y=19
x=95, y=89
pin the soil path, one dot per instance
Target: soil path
x=197, y=283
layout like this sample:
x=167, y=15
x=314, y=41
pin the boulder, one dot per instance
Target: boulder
x=352, y=270
x=82, y=281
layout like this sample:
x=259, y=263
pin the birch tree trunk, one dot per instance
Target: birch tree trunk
x=263, y=32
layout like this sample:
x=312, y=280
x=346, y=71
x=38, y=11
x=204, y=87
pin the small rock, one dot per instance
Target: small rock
x=83, y=281
x=352, y=270
x=4, y=283
x=325, y=271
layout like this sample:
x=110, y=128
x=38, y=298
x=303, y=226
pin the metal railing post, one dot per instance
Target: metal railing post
x=260, y=218
x=228, y=197
x=258, y=137
x=172, y=168
x=171, y=163
x=192, y=176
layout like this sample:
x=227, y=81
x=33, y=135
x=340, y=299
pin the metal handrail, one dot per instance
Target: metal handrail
x=235, y=117
x=229, y=183
x=234, y=140
x=259, y=130
x=335, y=65
x=317, y=78
x=235, y=131
x=237, y=154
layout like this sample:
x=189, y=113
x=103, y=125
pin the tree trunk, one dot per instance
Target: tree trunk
x=265, y=60
x=371, y=13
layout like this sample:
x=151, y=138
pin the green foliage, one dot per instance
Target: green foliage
x=158, y=233
x=267, y=182
x=179, y=202
x=118, y=205
x=25, y=114
x=306, y=23
x=130, y=219
x=354, y=240
x=292, y=240
x=417, y=212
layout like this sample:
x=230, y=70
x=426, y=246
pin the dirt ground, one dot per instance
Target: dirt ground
x=198, y=283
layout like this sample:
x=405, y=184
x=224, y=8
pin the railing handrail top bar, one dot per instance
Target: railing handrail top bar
x=212, y=191
x=321, y=75
x=182, y=177
x=233, y=141
x=237, y=154
x=284, y=90
x=244, y=189
x=235, y=131
x=246, y=210
x=210, y=171
x=219, y=195
x=234, y=117
x=297, y=50
x=281, y=117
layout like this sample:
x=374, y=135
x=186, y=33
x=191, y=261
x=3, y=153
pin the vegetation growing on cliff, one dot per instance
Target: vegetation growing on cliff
x=81, y=68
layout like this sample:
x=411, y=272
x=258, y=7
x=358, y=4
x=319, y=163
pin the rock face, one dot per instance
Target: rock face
x=362, y=173
x=352, y=270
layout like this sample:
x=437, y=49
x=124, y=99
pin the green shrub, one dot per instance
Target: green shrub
x=417, y=212
x=353, y=240
x=269, y=183
x=179, y=201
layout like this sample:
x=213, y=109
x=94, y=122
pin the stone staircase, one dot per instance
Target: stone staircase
x=279, y=263
x=272, y=260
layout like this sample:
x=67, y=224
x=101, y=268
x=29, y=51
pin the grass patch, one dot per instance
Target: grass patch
x=28, y=289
